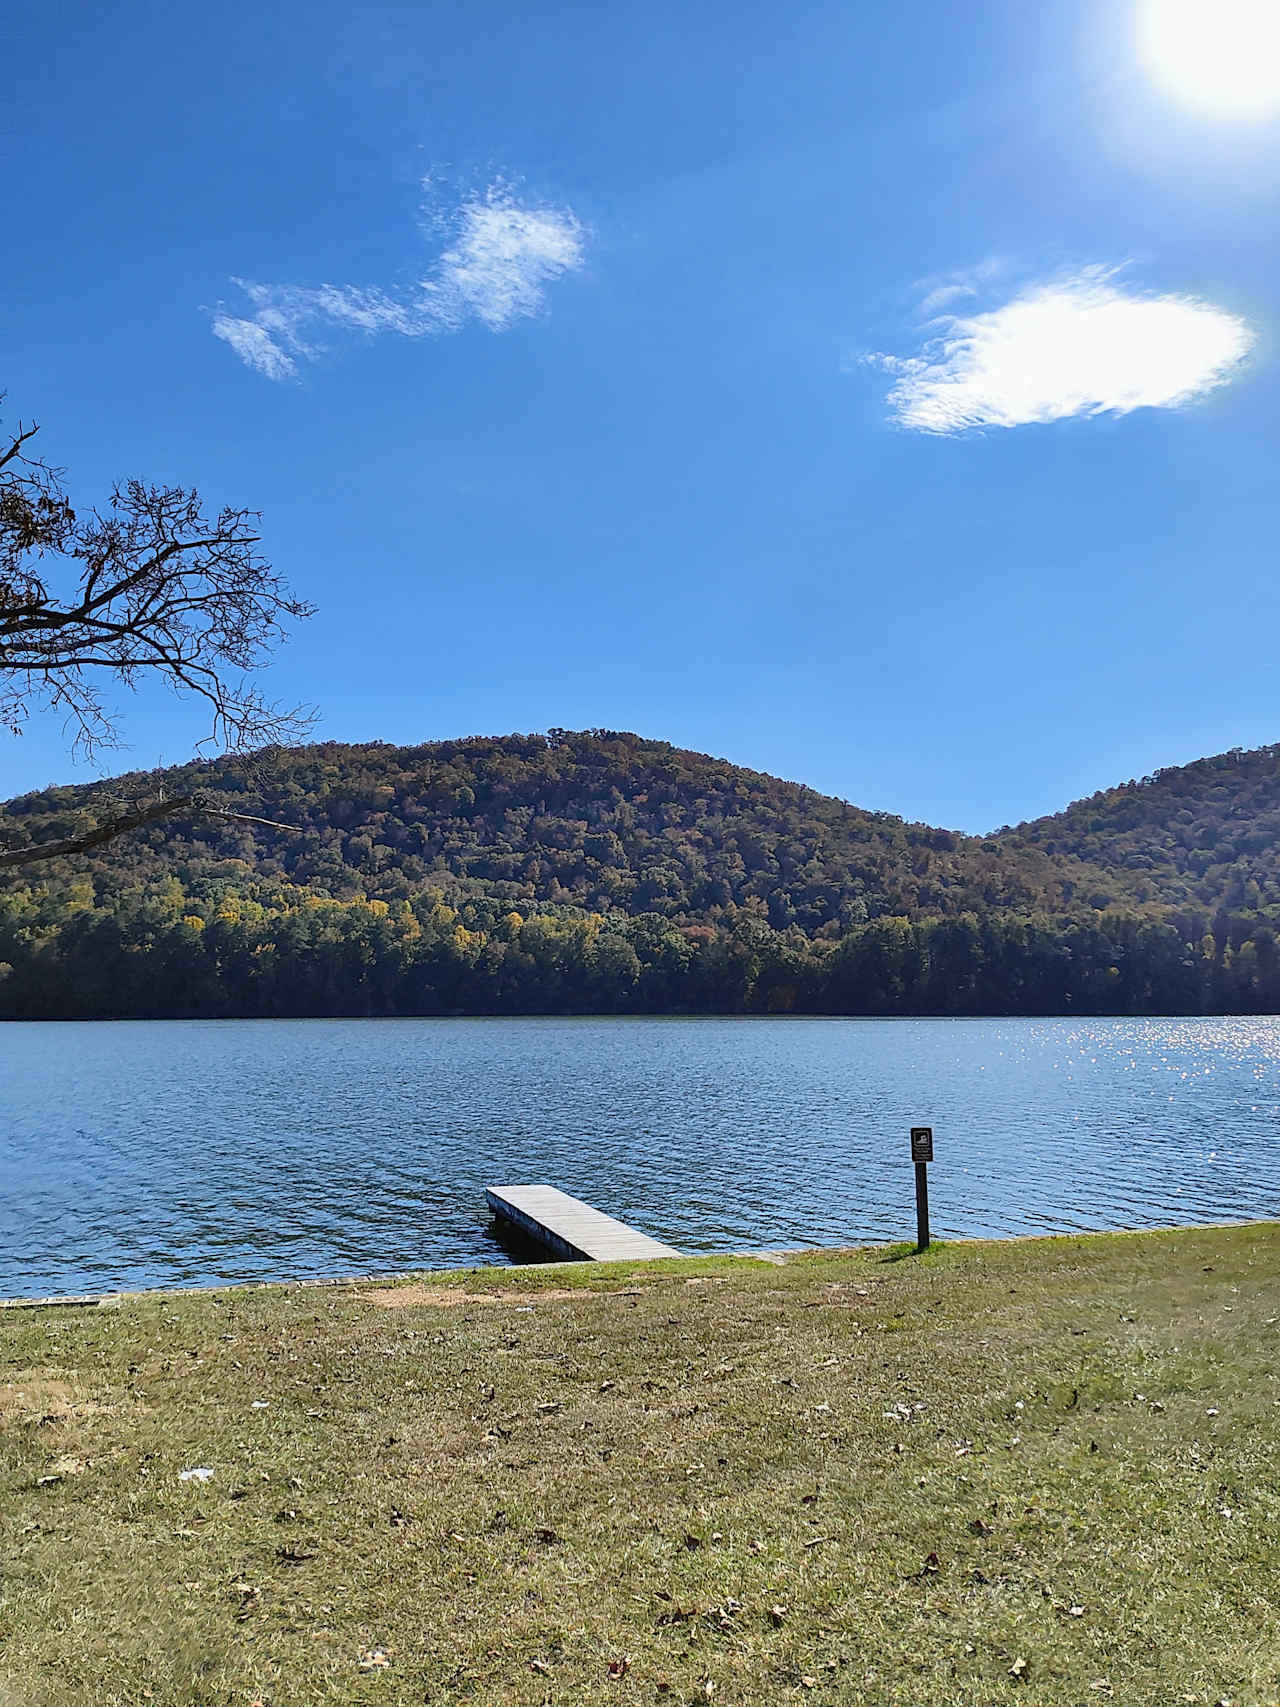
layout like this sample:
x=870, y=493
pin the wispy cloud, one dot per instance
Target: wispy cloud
x=500, y=256
x=255, y=346
x=1080, y=345
x=944, y=296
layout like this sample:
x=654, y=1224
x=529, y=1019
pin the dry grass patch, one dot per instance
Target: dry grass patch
x=1043, y=1471
x=452, y=1297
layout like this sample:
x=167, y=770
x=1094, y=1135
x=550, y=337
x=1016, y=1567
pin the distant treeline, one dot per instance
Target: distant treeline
x=600, y=872
x=160, y=952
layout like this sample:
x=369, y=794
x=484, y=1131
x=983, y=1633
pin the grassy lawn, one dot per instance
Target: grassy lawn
x=1043, y=1471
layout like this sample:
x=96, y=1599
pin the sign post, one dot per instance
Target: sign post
x=922, y=1155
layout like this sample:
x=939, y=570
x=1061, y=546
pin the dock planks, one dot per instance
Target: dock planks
x=571, y=1228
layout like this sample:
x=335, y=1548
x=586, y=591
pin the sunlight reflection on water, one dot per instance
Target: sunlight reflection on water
x=189, y=1152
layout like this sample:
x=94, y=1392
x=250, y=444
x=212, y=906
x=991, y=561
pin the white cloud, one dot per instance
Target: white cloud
x=1078, y=346
x=943, y=297
x=254, y=345
x=500, y=259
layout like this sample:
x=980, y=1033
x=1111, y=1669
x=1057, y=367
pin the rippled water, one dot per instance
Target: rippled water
x=185, y=1152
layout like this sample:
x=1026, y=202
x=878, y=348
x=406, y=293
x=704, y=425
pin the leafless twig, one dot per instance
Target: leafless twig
x=162, y=591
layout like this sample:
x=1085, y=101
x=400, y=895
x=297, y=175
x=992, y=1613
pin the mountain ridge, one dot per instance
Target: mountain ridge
x=633, y=842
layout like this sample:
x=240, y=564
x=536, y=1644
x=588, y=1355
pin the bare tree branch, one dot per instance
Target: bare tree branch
x=152, y=813
x=160, y=589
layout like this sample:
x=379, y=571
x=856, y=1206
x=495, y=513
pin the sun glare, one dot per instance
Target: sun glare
x=1223, y=54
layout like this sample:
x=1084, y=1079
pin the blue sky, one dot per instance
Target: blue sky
x=883, y=396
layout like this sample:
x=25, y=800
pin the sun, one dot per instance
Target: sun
x=1223, y=54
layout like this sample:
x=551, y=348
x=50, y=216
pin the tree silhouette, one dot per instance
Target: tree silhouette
x=150, y=588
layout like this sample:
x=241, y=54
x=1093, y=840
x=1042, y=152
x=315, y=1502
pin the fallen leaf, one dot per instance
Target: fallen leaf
x=540, y=1666
x=621, y=1666
x=1019, y=1668
x=677, y=1615
x=777, y=1613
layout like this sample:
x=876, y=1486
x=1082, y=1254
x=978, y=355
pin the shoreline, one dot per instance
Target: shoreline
x=494, y=1271
x=658, y=1013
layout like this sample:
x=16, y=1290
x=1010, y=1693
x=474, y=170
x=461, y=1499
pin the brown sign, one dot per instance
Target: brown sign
x=922, y=1143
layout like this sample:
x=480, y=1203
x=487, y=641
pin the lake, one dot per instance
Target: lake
x=189, y=1152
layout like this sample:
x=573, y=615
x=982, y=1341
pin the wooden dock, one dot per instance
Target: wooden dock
x=571, y=1229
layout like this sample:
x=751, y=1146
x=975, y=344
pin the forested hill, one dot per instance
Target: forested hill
x=602, y=872
x=1204, y=835
x=602, y=821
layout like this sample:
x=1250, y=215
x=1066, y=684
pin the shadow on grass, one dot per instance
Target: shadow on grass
x=899, y=1253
